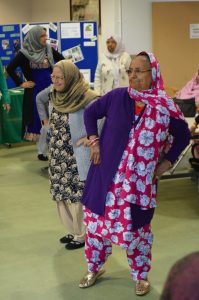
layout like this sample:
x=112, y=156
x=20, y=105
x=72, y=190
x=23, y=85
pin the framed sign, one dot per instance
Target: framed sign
x=86, y=10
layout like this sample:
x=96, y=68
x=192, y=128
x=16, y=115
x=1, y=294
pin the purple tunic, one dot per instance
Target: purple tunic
x=118, y=108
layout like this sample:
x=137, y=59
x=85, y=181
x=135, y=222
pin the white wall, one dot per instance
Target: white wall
x=137, y=25
x=110, y=20
x=132, y=19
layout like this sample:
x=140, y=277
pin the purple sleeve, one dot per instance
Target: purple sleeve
x=95, y=111
x=180, y=131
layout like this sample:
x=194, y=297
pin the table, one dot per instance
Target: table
x=11, y=123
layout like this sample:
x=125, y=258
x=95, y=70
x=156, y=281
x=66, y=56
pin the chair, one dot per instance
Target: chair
x=193, y=173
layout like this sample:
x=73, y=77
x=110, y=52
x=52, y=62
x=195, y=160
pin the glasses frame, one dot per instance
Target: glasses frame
x=137, y=72
x=58, y=78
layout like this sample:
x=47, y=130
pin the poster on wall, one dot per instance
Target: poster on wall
x=79, y=43
x=10, y=44
x=194, y=31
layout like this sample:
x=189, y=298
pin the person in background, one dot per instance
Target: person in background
x=36, y=60
x=182, y=281
x=111, y=69
x=4, y=89
x=128, y=160
x=190, y=90
x=68, y=158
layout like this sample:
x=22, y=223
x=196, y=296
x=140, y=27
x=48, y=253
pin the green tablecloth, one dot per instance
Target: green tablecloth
x=10, y=123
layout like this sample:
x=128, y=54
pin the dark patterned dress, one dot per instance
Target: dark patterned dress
x=65, y=183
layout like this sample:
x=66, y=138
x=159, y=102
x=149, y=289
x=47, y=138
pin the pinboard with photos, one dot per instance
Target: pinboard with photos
x=79, y=42
x=10, y=44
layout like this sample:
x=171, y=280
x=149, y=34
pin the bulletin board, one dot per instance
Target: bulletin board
x=76, y=40
x=176, y=51
x=10, y=44
x=79, y=43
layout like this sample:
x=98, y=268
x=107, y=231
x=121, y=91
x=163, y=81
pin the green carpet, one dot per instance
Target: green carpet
x=35, y=266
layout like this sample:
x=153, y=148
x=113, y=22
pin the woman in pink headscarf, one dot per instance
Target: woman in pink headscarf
x=127, y=162
x=190, y=90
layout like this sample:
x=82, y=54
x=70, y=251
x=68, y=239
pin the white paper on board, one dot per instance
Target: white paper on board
x=26, y=28
x=87, y=74
x=94, y=38
x=89, y=44
x=88, y=30
x=70, y=30
x=53, y=27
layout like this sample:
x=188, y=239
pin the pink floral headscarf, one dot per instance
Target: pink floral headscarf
x=156, y=95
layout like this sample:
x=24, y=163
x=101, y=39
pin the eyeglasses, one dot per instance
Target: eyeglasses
x=58, y=78
x=136, y=71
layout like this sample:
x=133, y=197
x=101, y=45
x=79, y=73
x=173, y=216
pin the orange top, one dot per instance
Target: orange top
x=138, y=109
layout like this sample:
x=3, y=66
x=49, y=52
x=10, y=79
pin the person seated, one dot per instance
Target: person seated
x=190, y=90
x=182, y=281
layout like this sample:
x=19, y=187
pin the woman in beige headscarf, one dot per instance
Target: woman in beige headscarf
x=68, y=160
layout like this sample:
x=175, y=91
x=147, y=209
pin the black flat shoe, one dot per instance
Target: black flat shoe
x=66, y=239
x=74, y=245
x=42, y=157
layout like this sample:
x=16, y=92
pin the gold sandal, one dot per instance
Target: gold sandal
x=142, y=287
x=90, y=278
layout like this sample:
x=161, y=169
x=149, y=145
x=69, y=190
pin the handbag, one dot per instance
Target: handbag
x=187, y=106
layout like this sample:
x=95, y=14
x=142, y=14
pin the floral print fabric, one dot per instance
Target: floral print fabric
x=98, y=249
x=63, y=174
x=117, y=223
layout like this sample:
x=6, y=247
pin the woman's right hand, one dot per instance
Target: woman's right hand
x=27, y=85
x=45, y=122
x=6, y=107
x=95, y=154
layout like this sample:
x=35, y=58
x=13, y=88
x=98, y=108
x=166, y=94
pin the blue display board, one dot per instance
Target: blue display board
x=76, y=40
x=79, y=43
x=10, y=44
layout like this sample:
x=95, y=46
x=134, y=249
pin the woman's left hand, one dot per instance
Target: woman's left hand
x=83, y=141
x=161, y=168
x=6, y=106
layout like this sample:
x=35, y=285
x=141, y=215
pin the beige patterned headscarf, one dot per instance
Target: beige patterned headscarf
x=76, y=94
